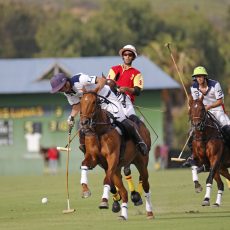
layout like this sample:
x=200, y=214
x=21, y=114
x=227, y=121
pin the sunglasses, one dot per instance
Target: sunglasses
x=128, y=54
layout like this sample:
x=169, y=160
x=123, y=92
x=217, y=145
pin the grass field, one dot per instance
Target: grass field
x=176, y=205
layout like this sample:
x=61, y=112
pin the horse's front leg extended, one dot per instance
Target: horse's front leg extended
x=209, y=182
x=198, y=187
x=87, y=163
x=123, y=193
x=112, y=161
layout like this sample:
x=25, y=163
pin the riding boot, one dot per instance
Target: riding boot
x=82, y=142
x=130, y=127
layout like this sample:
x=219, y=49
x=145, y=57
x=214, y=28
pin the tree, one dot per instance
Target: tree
x=18, y=26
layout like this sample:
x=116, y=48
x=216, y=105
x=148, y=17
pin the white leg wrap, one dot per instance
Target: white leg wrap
x=106, y=191
x=124, y=210
x=194, y=173
x=208, y=190
x=84, y=172
x=219, y=197
x=148, y=203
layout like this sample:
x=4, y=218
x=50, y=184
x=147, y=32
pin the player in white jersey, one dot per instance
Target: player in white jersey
x=212, y=92
x=72, y=89
x=213, y=101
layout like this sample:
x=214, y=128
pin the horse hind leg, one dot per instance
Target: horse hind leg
x=224, y=172
x=145, y=183
x=135, y=195
x=220, y=186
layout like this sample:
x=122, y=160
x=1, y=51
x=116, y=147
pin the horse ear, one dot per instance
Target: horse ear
x=84, y=89
x=97, y=89
x=103, y=75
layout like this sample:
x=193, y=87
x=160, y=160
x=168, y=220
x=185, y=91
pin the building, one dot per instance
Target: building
x=31, y=117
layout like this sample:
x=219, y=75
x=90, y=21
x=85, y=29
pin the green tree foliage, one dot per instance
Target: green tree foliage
x=18, y=26
x=60, y=36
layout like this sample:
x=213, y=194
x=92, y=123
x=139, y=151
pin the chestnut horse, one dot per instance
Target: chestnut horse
x=208, y=149
x=103, y=147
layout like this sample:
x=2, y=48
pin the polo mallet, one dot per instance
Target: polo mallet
x=177, y=69
x=68, y=210
x=179, y=159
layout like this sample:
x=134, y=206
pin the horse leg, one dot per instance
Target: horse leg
x=86, y=163
x=220, y=186
x=135, y=196
x=112, y=160
x=116, y=198
x=224, y=172
x=142, y=168
x=198, y=187
x=123, y=193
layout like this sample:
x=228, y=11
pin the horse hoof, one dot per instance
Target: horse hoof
x=135, y=196
x=138, y=203
x=121, y=218
x=104, y=205
x=198, y=188
x=86, y=194
x=116, y=207
x=206, y=202
x=150, y=216
x=215, y=205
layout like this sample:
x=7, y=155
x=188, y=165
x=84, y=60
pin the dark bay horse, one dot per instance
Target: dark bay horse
x=208, y=149
x=103, y=147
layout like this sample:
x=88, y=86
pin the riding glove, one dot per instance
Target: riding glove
x=70, y=121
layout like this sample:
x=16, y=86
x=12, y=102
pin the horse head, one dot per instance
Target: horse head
x=89, y=105
x=198, y=114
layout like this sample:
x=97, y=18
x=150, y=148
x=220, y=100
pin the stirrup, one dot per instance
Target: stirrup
x=142, y=147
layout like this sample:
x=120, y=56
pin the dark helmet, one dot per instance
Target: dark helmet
x=57, y=82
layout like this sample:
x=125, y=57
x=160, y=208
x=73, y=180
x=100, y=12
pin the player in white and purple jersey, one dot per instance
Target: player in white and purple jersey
x=73, y=89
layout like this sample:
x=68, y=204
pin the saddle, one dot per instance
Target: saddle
x=225, y=130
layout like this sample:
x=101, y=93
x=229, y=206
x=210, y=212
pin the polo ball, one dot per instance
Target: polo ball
x=44, y=200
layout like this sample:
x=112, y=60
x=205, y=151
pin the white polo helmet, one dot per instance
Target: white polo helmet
x=130, y=48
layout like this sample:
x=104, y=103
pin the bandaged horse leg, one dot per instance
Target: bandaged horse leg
x=198, y=187
x=220, y=186
x=105, y=197
x=84, y=182
x=148, y=205
x=209, y=181
x=117, y=178
x=116, y=198
x=135, y=196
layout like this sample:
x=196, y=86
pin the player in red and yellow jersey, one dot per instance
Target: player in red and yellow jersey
x=130, y=84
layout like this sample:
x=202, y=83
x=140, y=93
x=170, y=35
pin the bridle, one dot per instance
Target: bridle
x=89, y=121
x=200, y=125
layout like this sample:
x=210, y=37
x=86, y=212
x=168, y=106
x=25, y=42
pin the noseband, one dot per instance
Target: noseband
x=202, y=120
x=88, y=124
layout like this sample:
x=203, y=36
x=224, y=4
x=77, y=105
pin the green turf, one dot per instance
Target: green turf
x=176, y=205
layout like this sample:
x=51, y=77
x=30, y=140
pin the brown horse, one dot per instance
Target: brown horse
x=208, y=149
x=103, y=146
